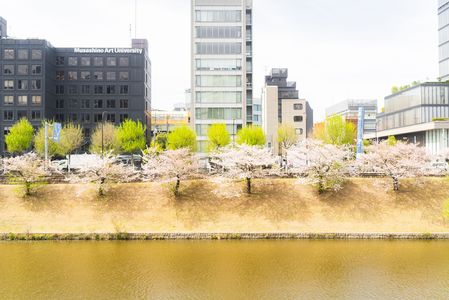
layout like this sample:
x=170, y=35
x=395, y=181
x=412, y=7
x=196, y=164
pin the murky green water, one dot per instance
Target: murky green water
x=225, y=270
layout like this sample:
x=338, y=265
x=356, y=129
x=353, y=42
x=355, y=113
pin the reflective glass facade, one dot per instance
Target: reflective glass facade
x=443, y=28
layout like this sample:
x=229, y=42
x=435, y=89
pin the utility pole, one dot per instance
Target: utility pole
x=102, y=133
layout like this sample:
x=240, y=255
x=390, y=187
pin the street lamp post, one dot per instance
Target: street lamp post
x=233, y=131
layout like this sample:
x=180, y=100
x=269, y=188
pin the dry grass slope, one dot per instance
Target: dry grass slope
x=279, y=205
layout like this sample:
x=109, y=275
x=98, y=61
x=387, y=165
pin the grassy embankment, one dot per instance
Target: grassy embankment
x=280, y=205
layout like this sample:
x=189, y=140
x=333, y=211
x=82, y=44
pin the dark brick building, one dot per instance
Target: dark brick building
x=80, y=85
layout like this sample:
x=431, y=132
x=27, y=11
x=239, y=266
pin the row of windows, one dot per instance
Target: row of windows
x=218, y=113
x=444, y=51
x=88, y=89
x=222, y=16
x=218, y=48
x=22, y=69
x=443, y=18
x=218, y=81
x=86, y=61
x=219, y=97
x=87, y=75
x=88, y=118
x=219, y=64
x=21, y=100
x=215, y=32
x=444, y=35
x=202, y=129
x=89, y=103
x=22, y=54
x=22, y=84
x=10, y=115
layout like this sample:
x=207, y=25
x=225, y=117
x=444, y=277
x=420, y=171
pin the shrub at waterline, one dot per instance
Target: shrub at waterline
x=20, y=137
x=181, y=137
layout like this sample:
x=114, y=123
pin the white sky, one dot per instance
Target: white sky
x=335, y=50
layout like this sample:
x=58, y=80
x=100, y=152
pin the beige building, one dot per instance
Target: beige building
x=282, y=105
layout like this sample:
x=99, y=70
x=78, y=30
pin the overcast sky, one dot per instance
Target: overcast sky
x=335, y=50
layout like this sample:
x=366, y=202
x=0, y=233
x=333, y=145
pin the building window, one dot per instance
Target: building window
x=22, y=114
x=8, y=115
x=22, y=84
x=36, y=100
x=98, y=75
x=59, y=90
x=98, y=89
x=60, y=60
x=110, y=89
x=73, y=117
x=36, y=69
x=85, y=118
x=111, y=61
x=221, y=16
x=59, y=103
x=85, y=103
x=8, y=84
x=36, y=54
x=110, y=118
x=214, y=48
x=85, y=89
x=98, y=61
x=22, y=70
x=110, y=103
x=59, y=75
x=98, y=103
x=85, y=75
x=8, y=69
x=8, y=100
x=297, y=119
x=22, y=100
x=59, y=117
x=123, y=61
x=85, y=61
x=72, y=75
x=8, y=54
x=124, y=103
x=110, y=76
x=35, y=115
x=124, y=76
x=123, y=117
x=72, y=89
x=298, y=106
x=124, y=89
x=97, y=118
x=73, y=103
x=22, y=54
x=73, y=61
x=36, y=84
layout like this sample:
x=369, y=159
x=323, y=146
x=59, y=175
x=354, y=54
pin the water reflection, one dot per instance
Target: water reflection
x=225, y=270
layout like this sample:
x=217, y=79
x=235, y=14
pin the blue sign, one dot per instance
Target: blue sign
x=360, y=128
x=57, y=131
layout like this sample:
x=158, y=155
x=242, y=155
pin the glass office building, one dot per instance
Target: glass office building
x=443, y=31
x=221, y=90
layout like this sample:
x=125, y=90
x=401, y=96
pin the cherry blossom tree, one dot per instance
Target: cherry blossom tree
x=104, y=171
x=245, y=162
x=397, y=161
x=29, y=170
x=321, y=165
x=171, y=165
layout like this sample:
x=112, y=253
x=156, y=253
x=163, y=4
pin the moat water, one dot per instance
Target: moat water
x=225, y=270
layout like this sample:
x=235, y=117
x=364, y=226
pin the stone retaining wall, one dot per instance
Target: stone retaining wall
x=219, y=236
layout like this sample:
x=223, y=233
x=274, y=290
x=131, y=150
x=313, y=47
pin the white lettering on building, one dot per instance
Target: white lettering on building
x=108, y=50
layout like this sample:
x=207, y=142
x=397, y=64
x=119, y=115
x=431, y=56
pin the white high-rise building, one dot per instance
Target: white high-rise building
x=443, y=31
x=221, y=66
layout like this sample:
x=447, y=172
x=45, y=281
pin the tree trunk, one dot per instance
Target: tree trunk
x=248, y=185
x=178, y=183
x=27, y=188
x=396, y=183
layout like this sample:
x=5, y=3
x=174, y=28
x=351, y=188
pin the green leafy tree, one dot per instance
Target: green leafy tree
x=251, y=136
x=181, y=137
x=20, y=137
x=131, y=135
x=338, y=132
x=287, y=137
x=218, y=137
x=391, y=141
x=71, y=140
x=39, y=141
x=111, y=144
x=159, y=142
